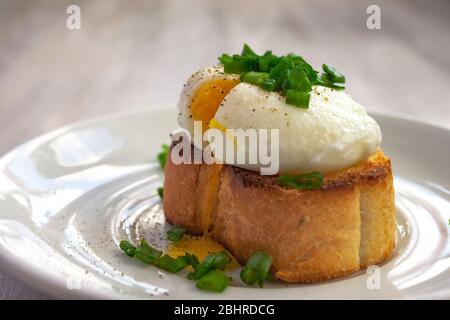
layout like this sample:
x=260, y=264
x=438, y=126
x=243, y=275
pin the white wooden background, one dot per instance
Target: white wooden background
x=133, y=54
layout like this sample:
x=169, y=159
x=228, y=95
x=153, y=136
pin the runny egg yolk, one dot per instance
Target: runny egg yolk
x=208, y=98
x=200, y=247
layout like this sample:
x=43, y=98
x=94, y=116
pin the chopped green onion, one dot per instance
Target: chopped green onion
x=221, y=259
x=268, y=84
x=255, y=77
x=279, y=71
x=325, y=81
x=331, y=78
x=146, y=253
x=264, y=61
x=298, y=80
x=167, y=263
x=128, y=248
x=145, y=248
x=225, y=59
x=175, y=234
x=247, y=51
x=174, y=265
x=212, y=261
x=305, y=181
x=214, y=280
x=160, y=191
x=143, y=257
x=162, y=156
x=192, y=259
x=282, y=74
x=333, y=74
x=150, y=255
x=261, y=79
x=297, y=98
x=257, y=268
x=267, y=61
x=239, y=64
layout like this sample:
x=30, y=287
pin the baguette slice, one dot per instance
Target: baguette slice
x=312, y=236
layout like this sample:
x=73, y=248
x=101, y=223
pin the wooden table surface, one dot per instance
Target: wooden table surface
x=134, y=54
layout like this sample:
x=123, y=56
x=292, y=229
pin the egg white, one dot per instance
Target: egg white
x=335, y=132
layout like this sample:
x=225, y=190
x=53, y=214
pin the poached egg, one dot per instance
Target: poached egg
x=335, y=132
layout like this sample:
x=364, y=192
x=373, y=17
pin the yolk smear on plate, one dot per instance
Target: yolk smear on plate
x=208, y=98
x=200, y=247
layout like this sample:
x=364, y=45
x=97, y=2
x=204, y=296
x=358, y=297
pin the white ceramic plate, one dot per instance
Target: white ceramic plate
x=67, y=198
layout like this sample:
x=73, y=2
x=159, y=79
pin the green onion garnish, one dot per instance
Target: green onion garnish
x=213, y=261
x=175, y=234
x=177, y=264
x=128, y=248
x=247, y=51
x=213, y=281
x=290, y=75
x=254, y=77
x=162, y=155
x=143, y=252
x=297, y=98
x=150, y=255
x=207, y=274
x=160, y=191
x=305, y=181
x=333, y=75
x=257, y=268
x=298, y=81
x=146, y=253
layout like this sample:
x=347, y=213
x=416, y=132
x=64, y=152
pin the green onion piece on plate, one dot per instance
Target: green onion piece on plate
x=175, y=234
x=257, y=268
x=162, y=155
x=146, y=253
x=173, y=265
x=213, y=281
x=213, y=261
x=160, y=191
x=128, y=248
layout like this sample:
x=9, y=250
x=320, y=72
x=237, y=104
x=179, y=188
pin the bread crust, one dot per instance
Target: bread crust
x=316, y=235
x=180, y=193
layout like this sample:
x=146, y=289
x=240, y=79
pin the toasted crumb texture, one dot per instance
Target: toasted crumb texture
x=312, y=236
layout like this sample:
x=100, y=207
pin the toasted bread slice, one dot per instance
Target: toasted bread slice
x=346, y=225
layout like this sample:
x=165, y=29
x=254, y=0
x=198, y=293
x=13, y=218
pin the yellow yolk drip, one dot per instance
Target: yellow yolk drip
x=214, y=124
x=208, y=98
x=208, y=182
x=203, y=107
x=200, y=247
